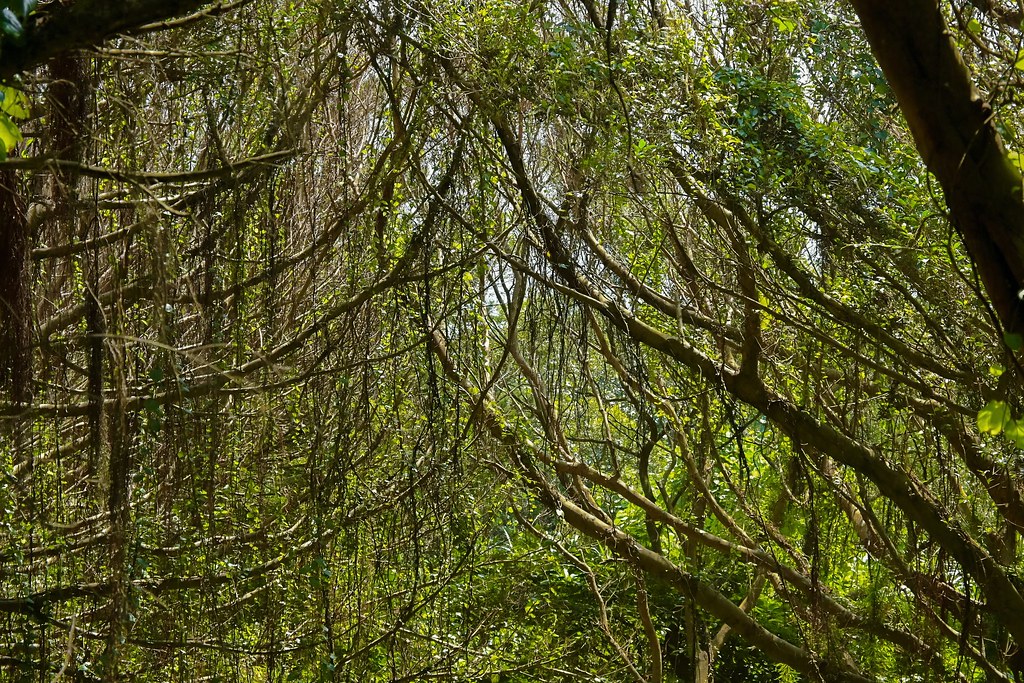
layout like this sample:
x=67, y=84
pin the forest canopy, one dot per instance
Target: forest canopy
x=490, y=340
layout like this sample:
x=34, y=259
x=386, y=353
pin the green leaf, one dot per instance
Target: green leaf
x=10, y=25
x=14, y=103
x=1015, y=432
x=974, y=26
x=785, y=25
x=996, y=370
x=1014, y=341
x=994, y=417
x=9, y=133
x=156, y=374
x=1015, y=159
x=1019, y=62
x=19, y=8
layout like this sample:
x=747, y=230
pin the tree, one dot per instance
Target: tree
x=956, y=132
x=63, y=27
x=507, y=341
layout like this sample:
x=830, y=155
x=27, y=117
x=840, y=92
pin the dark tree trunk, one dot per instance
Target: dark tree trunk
x=82, y=24
x=15, y=318
x=954, y=129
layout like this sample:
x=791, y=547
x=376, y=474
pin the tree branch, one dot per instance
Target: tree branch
x=954, y=129
x=84, y=24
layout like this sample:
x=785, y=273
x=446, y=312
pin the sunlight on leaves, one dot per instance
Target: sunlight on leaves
x=13, y=105
x=994, y=417
x=1015, y=432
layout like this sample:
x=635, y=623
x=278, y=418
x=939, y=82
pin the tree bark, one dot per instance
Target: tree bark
x=15, y=313
x=81, y=24
x=954, y=129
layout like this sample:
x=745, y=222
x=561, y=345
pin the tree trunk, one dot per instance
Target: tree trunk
x=15, y=329
x=954, y=129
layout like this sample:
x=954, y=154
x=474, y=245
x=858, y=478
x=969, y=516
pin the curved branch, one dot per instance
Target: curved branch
x=84, y=24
